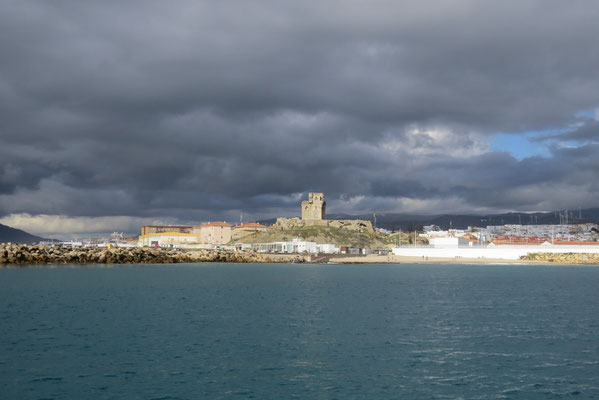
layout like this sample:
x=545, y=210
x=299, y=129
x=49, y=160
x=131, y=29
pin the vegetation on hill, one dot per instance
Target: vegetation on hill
x=321, y=234
x=406, y=239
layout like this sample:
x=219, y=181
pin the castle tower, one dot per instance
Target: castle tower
x=314, y=207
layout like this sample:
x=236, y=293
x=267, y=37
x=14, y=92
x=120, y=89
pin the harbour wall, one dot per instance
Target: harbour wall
x=501, y=252
x=15, y=254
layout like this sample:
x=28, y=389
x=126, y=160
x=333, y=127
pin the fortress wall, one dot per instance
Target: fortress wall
x=353, y=224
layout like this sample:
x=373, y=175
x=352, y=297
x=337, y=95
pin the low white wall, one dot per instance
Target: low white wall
x=502, y=252
x=448, y=242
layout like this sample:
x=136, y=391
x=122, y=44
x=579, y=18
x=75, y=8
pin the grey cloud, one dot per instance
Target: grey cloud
x=393, y=64
x=201, y=109
x=586, y=131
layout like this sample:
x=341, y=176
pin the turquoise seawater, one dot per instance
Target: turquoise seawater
x=220, y=331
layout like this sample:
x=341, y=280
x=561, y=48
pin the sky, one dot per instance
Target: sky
x=118, y=114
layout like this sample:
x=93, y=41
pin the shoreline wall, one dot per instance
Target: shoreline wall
x=501, y=252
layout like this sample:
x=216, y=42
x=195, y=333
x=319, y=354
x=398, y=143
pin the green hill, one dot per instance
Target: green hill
x=320, y=234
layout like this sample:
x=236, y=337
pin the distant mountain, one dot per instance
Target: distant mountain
x=394, y=221
x=12, y=235
x=461, y=221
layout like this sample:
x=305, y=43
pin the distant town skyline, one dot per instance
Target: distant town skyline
x=117, y=115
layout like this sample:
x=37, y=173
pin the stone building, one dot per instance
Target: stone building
x=215, y=233
x=313, y=214
x=314, y=208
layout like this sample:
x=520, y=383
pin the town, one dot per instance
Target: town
x=313, y=233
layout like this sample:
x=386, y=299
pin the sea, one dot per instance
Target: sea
x=294, y=331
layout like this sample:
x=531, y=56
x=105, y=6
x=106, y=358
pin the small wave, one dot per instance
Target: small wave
x=47, y=379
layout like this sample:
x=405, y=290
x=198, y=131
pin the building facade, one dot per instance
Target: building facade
x=166, y=235
x=215, y=233
x=148, y=229
x=167, y=239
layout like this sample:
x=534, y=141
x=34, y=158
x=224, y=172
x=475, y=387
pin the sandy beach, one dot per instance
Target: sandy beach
x=393, y=259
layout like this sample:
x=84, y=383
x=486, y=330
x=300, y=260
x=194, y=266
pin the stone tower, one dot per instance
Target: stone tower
x=314, y=207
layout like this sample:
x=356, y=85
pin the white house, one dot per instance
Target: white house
x=327, y=248
x=448, y=242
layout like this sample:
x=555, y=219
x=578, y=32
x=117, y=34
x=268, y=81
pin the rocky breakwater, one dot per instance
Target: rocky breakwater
x=242, y=257
x=32, y=254
x=15, y=254
x=565, y=258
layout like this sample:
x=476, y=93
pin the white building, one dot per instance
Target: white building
x=167, y=239
x=499, y=252
x=327, y=248
x=295, y=246
x=448, y=241
x=72, y=243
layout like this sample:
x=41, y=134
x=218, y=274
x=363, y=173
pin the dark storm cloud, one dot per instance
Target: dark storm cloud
x=194, y=110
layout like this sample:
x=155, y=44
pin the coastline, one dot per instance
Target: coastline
x=24, y=255
x=393, y=259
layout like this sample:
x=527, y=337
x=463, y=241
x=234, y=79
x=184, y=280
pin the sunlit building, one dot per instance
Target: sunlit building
x=215, y=233
x=166, y=235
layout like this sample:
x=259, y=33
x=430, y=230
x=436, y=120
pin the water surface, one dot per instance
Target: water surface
x=270, y=331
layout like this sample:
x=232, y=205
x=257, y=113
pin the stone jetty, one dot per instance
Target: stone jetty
x=17, y=254
x=565, y=258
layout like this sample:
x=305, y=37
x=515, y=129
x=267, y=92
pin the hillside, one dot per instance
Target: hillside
x=12, y=235
x=320, y=234
x=396, y=221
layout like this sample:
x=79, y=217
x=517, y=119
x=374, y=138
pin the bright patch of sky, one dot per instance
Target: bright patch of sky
x=522, y=145
x=594, y=114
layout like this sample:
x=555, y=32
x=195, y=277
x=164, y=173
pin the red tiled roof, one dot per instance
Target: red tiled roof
x=537, y=243
x=573, y=243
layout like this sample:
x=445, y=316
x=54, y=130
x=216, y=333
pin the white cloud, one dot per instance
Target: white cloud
x=60, y=225
x=436, y=141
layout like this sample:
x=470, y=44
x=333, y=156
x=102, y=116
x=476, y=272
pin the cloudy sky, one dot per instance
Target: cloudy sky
x=116, y=114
